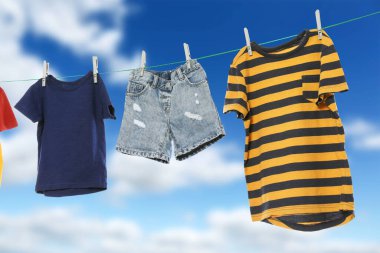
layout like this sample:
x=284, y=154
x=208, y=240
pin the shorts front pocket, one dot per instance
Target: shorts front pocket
x=196, y=77
x=309, y=87
x=136, y=88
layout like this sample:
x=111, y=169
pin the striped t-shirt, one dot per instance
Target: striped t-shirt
x=296, y=167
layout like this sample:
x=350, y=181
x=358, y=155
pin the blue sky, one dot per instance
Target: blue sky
x=199, y=205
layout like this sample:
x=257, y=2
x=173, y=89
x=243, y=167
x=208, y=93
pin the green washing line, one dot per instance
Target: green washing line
x=202, y=57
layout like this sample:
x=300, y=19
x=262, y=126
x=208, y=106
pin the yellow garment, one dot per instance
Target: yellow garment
x=1, y=165
x=296, y=167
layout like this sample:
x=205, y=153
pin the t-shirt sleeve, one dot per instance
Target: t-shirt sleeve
x=236, y=94
x=7, y=118
x=332, y=77
x=107, y=110
x=31, y=104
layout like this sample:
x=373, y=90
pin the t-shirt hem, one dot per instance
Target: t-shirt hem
x=52, y=187
x=25, y=111
x=8, y=127
x=344, y=216
x=302, y=210
x=109, y=112
x=239, y=114
x=333, y=88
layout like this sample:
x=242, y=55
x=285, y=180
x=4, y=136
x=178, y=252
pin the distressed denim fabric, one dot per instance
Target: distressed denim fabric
x=165, y=106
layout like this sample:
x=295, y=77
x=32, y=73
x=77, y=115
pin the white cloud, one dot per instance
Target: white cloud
x=20, y=158
x=68, y=23
x=64, y=230
x=363, y=134
x=60, y=230
x=131, y=174
x=120, y=64
x=15, y=63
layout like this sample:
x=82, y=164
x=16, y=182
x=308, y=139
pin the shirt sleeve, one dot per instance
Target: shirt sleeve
x=332, y=77
x=7, y=118
x=107, y=110
x=236, y=94
x=31, y=104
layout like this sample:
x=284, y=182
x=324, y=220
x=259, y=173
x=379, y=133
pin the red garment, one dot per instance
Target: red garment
x=7, y=118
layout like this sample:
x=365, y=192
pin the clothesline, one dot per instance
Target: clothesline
x=201, y=57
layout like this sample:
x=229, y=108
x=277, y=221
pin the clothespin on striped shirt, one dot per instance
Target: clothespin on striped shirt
x=187, y=54
x=45, y=72
x=247, y=40
x=95, y=70
x=143, y=62
x=319, y=23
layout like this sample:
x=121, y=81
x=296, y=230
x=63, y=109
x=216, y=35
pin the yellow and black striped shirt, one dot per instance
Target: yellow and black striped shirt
x=296, y=167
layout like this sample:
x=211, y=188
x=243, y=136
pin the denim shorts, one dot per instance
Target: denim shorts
x=165, y=106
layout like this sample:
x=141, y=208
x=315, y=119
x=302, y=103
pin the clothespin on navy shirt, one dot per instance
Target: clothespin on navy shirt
x=187, y=54
x=95, y=70
x=143, y=63
x=45, y=72
x=247, y=40
x=319, y=23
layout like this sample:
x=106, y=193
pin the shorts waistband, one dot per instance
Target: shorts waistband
x=166, y=78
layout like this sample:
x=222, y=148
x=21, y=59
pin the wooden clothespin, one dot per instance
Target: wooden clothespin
x=45, y=73
x=187, y=54
x=95, y=70
x=247, y=41
x=319, y=23
x=143, y=62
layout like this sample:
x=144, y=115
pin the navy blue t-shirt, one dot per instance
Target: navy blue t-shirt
x=70, y=134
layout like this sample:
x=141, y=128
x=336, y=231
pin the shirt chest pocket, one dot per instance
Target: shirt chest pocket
x=309, y=86
x=309, y=91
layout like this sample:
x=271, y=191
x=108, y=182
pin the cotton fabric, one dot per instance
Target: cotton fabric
x=296, y=167
x=70, y=134
x=162, y=107
x=7, y=121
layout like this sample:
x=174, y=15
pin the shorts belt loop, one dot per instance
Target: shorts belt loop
x=180, y=74
x=196, y=64
x=155, y=81
x=133, y=75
